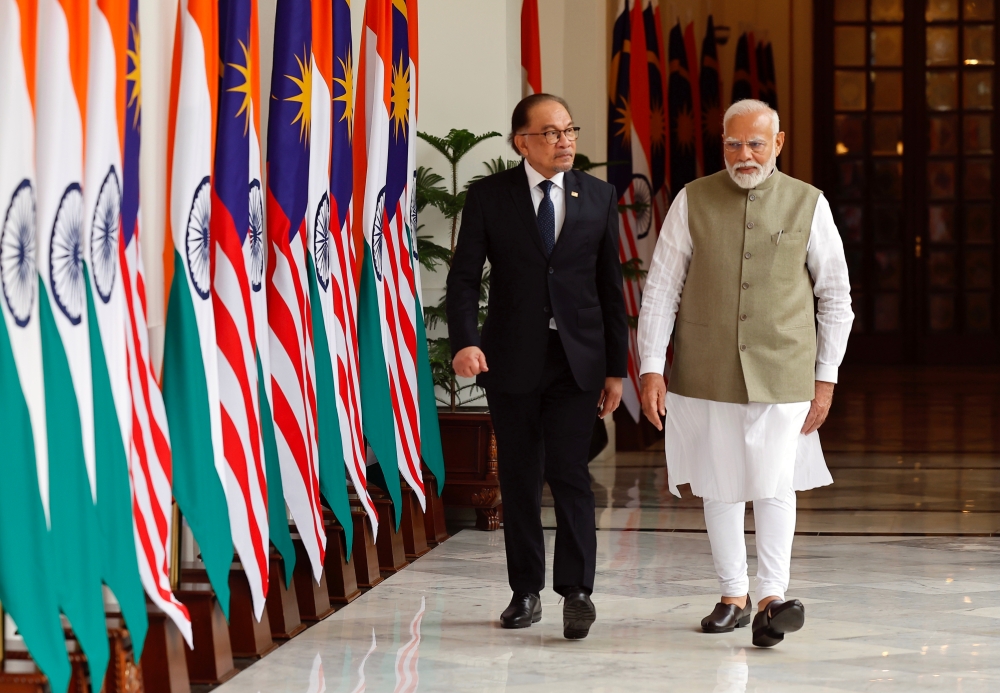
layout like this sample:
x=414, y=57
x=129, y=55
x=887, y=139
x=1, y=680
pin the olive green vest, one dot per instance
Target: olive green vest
x=746, y=326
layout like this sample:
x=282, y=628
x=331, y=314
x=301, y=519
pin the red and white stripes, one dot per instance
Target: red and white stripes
x=344, y=267
x=150, y=464
x=400, y=316
x=293, y=389
x=628, y=250
x=246, y=483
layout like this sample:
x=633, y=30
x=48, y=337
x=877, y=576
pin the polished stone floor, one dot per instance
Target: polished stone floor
x=898, y=564
x=883, y=614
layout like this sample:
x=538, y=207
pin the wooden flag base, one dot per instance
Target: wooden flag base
x=365, y=553
x=391, y=552
x=124, y=675
x=163, y=664
x=314, y=597
x=282, y=604
x=248, y=637
x=24, y=683
x=434, y=525
x=341, y=580
x=211, y=660
x=414, y=536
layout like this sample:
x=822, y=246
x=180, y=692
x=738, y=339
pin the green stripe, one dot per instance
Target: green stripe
x=332, y=469
x=430, y=430
x=277, y=513
x=376, y=399
x=75, y=529
x=26, y=558
x=197, y=486
x=114, y=494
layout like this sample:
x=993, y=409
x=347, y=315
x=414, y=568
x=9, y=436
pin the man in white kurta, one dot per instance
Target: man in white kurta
x=733, y=449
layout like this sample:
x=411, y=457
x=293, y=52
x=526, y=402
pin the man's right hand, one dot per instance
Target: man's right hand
x=653, y=394
x=469, y=362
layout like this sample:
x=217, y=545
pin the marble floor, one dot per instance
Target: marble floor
x=883, y=614
x=898, y=564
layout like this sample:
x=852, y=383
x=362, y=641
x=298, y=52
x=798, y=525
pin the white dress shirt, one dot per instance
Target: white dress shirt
x=558, y=196
x=741, y=452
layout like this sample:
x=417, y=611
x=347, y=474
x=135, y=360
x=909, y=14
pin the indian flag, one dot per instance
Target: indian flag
x=190, y=359
x=371, y=147
x=345, y=261
x=61, y=108
x=332, y=477
x=107, y=312
x=430, y=431
x=27, y=568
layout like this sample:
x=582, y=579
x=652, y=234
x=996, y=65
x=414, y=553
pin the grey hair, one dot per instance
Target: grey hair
x=748, y=107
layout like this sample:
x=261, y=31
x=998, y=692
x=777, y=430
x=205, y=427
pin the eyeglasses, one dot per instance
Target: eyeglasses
x=756, y=146
x=552, y=136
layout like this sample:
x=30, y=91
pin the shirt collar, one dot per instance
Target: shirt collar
x=534, y=177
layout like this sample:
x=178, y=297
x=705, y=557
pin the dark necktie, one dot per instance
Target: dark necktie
x=547, y=217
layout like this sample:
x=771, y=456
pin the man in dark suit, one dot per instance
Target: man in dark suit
x=553, y=350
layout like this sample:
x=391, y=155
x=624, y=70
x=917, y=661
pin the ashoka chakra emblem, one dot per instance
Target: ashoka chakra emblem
x=256, y=236
x=377, y=239
x=321, y=242
x=642, y=194
x=104, y=235
x=197, y=238
x=17, y=254
x=66, y=256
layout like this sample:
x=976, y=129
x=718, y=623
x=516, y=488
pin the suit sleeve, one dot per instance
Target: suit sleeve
x=465, y=276
x=609, y=288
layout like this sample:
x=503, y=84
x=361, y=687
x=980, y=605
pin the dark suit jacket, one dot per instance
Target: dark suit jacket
x=580, y=284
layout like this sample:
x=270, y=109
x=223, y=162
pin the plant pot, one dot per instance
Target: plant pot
x=470, y=461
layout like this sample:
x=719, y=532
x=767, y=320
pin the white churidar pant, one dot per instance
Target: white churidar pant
x=775, y=522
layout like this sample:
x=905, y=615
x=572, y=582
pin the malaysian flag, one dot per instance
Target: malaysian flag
x=233, y=273
x=628, y=142
x=150, y=463
x=288, y=307
x=399, y=307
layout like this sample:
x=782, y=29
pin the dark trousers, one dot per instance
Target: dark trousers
x=544, y=436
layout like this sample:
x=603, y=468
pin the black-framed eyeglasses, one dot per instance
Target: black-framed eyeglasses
x=552, y=136
x=756, y=146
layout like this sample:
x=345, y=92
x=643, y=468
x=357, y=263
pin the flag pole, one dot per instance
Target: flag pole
x=175, y=547
x=3, y=635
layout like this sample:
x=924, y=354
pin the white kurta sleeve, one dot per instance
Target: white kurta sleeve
x=832, y=286
x=662, y=293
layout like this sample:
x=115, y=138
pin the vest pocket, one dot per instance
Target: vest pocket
x=786, y=236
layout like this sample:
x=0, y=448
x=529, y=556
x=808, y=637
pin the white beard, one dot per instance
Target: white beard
x=751, y=180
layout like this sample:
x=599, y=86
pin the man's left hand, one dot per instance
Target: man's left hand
x=819, y=408
x=611, y=396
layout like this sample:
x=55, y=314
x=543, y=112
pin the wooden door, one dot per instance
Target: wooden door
x=905, y=99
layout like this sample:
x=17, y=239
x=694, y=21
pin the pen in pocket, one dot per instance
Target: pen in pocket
x=781, y=231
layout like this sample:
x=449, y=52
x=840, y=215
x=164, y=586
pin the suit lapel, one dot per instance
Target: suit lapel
x=570, y=185
x=525, y=207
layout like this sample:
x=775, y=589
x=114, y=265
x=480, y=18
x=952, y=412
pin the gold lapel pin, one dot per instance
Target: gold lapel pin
x=574, y=193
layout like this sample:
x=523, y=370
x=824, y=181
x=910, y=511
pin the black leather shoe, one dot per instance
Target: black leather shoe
x=525, y=608
x=727, y=617
x=579, y=614
x=778, y=618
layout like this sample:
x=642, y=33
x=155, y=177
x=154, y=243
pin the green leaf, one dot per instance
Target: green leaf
x=456, y=144
x=431, y=254
x=632, y=270
x=428, y=183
